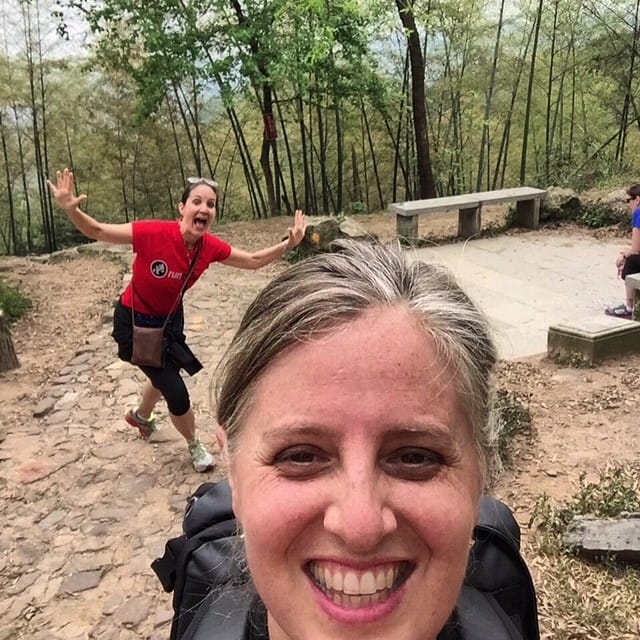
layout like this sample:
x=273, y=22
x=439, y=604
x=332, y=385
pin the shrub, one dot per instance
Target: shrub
x=617, y=491
x=13, y=302
x=598, y=214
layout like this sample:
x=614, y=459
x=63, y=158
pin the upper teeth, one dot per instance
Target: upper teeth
x=354, y=582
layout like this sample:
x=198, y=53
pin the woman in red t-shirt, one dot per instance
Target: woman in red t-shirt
x=164, y=252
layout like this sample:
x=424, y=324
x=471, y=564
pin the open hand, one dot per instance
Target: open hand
x=296, y=233
x=62, y=191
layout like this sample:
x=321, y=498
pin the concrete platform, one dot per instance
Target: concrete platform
x=530, y=281
x=593, y=340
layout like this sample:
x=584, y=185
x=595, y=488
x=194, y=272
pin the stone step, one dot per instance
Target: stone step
x=595, y=537
x=592, y=340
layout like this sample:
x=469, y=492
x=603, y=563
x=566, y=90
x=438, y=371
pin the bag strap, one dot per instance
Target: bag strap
x=183, y=288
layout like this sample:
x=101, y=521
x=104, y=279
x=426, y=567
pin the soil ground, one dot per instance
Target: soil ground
x=583, y=419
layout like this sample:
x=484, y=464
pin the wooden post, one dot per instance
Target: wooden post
x=8, y=358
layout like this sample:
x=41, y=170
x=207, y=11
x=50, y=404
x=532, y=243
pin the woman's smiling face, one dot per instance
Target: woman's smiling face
x=357, y=483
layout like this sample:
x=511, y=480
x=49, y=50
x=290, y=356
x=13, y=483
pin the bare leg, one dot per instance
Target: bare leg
x=629, y=291
x=150, y=396
x=185, y=424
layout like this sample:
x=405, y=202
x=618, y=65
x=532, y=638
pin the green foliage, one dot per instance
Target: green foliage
x=172, y=89
x=598, y=215
x=13, y=302
x=617, y=491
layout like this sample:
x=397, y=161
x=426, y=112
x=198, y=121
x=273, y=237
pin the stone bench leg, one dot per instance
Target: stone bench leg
x=528, y=213
x=632, y=281
x=469, y=222
x=407, y=228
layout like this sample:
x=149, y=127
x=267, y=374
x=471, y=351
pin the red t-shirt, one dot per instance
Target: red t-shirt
x=162, y=261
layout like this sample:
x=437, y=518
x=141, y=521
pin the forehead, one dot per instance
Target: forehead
x=203, y=191
x=382, y=368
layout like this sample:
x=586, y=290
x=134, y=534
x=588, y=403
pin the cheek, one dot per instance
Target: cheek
x=276, y=513
x=442, y=517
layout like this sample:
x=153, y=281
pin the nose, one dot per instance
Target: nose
x=359, y=515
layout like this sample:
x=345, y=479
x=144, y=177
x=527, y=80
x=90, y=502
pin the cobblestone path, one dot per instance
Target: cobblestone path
x=86, y=504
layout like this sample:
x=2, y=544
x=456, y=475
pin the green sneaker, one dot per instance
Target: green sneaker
x=145, y=427
x=201, y=459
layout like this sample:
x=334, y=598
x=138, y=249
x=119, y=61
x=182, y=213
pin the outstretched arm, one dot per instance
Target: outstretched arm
x=255, y=260
x=62, y=193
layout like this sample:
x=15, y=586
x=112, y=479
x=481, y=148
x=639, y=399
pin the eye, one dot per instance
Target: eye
x=413, y=463
x=301, y=461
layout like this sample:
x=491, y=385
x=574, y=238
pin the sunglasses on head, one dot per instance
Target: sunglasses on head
x=197, y=180
x=630, y=198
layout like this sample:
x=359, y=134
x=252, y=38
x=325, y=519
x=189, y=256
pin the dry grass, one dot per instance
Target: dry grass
x=580, y=599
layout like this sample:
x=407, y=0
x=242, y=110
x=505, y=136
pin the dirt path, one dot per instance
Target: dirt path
x=86, y=505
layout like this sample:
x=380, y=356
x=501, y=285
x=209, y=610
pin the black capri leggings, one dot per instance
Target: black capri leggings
x=166, y=379
x=631, y=265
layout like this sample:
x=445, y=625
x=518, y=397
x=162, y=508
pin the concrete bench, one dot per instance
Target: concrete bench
x=469, y=206
x=633, y=281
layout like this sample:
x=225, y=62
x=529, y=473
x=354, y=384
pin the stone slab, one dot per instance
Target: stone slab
x=633, y=280
x=593, y=537
x=592, y=340
x=465, y=201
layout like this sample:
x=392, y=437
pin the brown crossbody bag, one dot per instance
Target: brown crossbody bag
x=148, y=342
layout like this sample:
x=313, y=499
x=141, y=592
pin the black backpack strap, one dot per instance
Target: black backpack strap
x=204, y=557
x=229, y=613
x=497, y=569
x=480, y=617
x=209, y=505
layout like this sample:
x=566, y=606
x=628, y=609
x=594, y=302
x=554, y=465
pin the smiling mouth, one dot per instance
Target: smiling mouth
x=358, y=589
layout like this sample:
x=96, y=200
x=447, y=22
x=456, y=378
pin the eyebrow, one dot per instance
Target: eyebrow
x=435, y=430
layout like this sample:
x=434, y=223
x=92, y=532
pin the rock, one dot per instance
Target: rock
x=26, y=553
x=44, y=406
x=595, y=537
x=24, y=581
x=163, y=617
x=321, y=231
x=560, y=204
x=52, y=518
x=67, y=401
x=133, y=611
x=111, y=452
x=82, y=581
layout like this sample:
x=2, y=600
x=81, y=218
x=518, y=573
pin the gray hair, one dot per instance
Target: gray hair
x=331, y=289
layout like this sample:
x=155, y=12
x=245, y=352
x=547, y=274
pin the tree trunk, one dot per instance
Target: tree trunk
x=484, y=143
x=8, y=358
x=425, y=172
x=11, y=246
x=527, y=113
